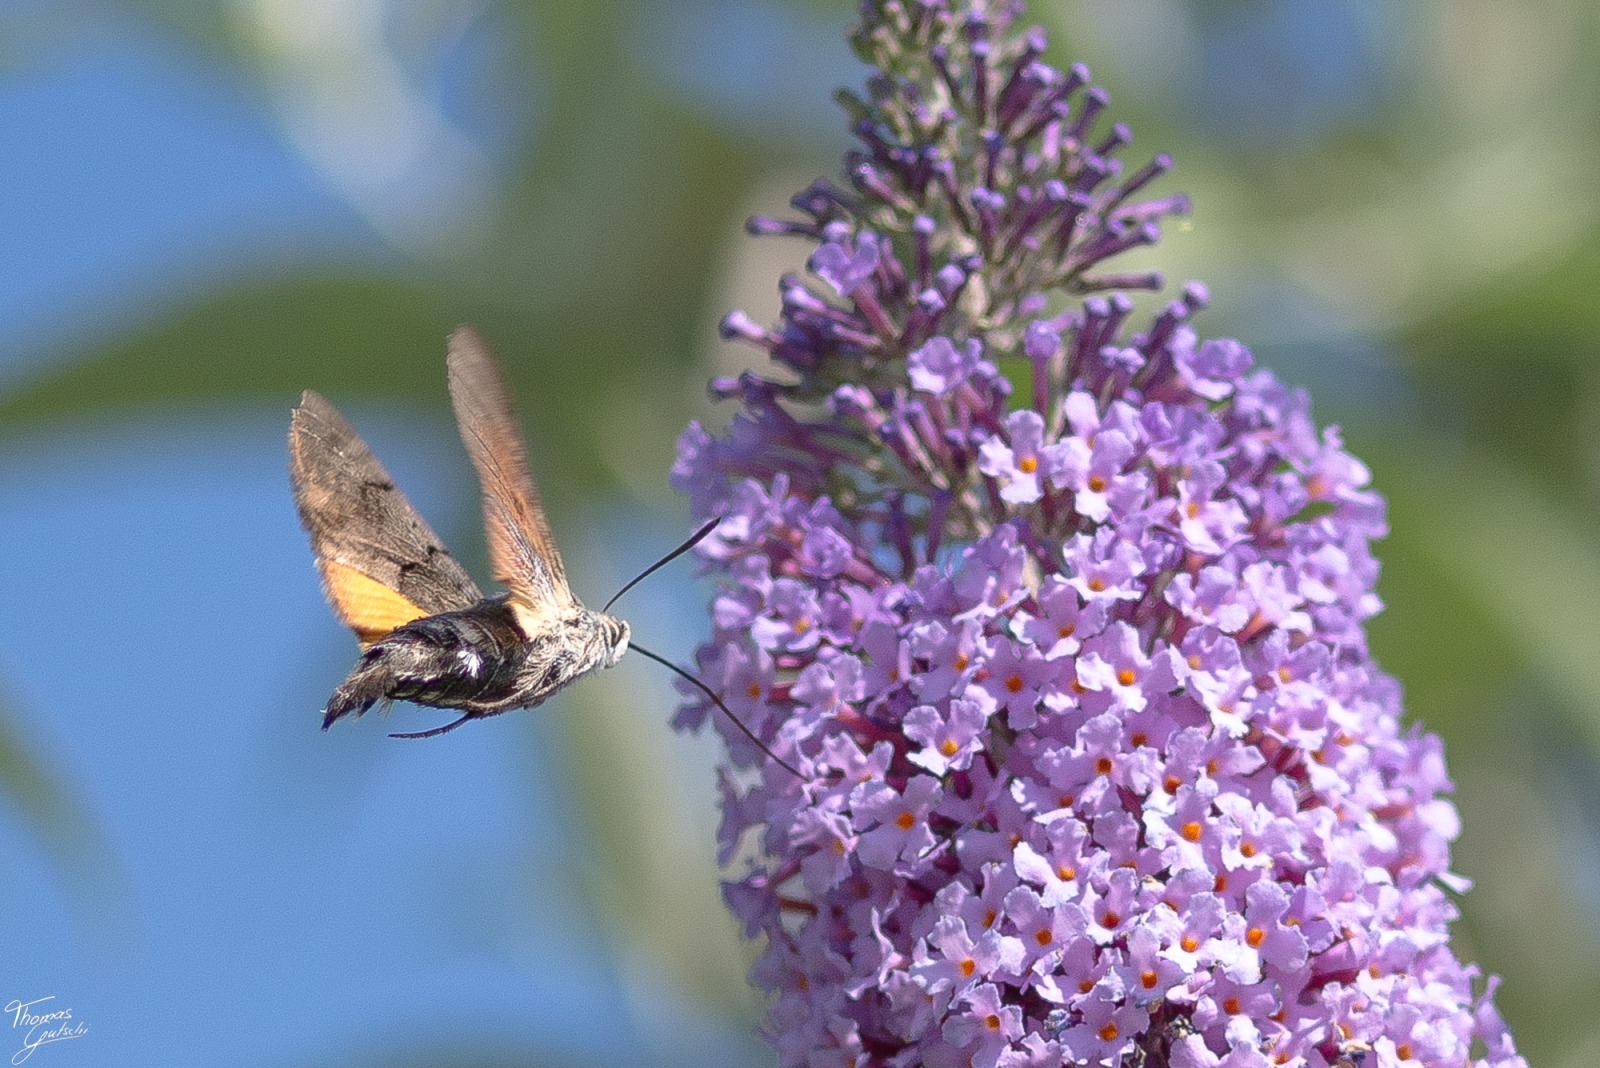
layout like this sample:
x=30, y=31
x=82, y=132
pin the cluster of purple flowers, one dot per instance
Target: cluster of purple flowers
x=1095, y=766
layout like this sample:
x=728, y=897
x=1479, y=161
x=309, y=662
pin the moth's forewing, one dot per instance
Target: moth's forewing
x=381, y=565
x=522, y=553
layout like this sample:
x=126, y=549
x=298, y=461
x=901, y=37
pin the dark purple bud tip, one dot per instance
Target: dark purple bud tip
x=737, y=326
x=764, y=226
x=988, y=200
x=1041, y=340
x=1120, y=135
x=950, y=278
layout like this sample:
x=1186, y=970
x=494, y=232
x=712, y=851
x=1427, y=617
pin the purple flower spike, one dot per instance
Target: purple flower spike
x=1096, y=768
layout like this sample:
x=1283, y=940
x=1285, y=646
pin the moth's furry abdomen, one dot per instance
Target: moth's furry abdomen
x=471, y=660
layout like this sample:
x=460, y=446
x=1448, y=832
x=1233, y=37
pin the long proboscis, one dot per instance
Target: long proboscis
x=694, y=540
x=703, y=688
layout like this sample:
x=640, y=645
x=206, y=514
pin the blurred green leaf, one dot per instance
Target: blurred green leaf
x=268, y=340
x=91, y=873
x=1514, y=367
x=1527, y=574
x=654, y=865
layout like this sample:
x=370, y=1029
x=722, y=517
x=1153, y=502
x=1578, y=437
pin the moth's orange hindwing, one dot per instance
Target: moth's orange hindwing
x=364, y=604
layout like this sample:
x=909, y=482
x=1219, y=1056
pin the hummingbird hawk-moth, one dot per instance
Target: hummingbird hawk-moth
x=427, y=633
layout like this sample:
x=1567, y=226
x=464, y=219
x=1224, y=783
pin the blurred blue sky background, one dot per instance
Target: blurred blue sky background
x=206, y=208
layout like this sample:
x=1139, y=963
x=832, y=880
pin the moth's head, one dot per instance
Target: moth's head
x=615, y=633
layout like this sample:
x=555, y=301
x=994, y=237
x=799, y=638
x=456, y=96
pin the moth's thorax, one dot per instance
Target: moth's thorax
x=563, y=644
x=602, y=638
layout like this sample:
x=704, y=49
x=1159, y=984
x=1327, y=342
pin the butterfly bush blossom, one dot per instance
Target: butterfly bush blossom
x=1095, y=768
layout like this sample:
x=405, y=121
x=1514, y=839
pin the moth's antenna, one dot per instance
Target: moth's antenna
x=698, y=537
x=669, y=665
x=446, y=729
x=694, y=540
